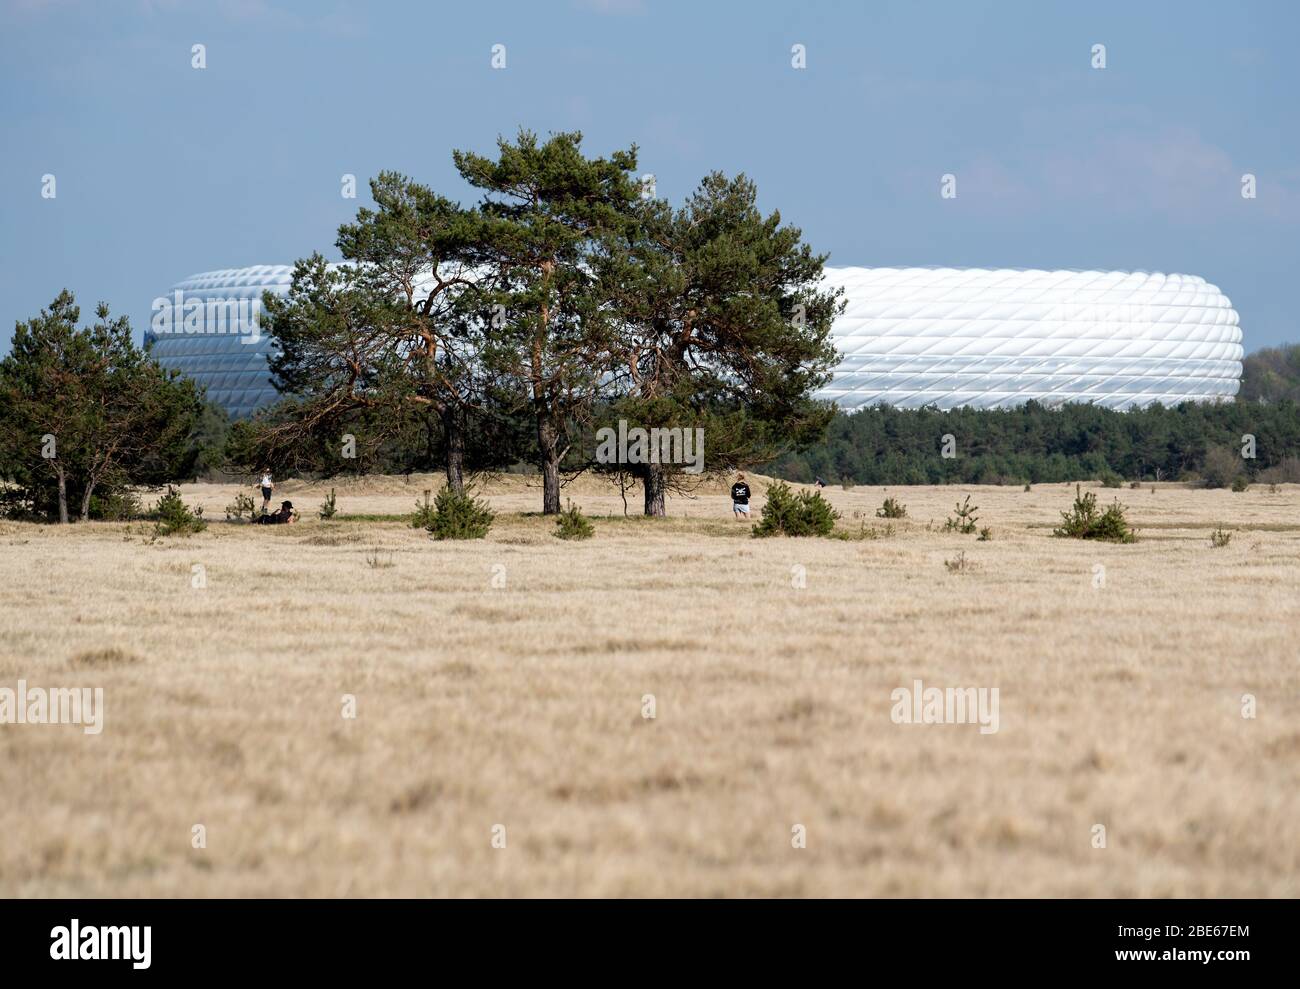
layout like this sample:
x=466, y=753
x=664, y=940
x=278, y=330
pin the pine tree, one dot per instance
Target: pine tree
x=86, y=412
x=547, y=212
x=723, y=328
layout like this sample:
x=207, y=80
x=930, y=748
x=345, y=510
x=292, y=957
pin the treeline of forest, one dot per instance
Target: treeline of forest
x=1032, y=443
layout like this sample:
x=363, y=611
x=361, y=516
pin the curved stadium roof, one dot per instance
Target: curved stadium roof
x=227, y=359
x=908, y=337
x=994, y=338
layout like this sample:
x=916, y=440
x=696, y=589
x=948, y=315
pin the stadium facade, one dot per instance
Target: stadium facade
x=997, y=338
x=908, y=337
x=207, y=327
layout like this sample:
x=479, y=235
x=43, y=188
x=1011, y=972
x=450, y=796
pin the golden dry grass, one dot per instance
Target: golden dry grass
x=521, y=706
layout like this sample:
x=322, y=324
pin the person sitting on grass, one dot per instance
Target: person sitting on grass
x=283, y=516
x=740, y=498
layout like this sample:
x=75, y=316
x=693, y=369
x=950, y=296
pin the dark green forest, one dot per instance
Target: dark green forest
x=1032, y=444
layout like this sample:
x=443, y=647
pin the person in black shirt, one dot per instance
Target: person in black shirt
x=285, y=515
x=740, y=498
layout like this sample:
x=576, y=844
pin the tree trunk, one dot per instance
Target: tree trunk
x=63, y=496
x=548, y=436
x=653, y=483
x=85, y=501
x=551, y=487
x=548, y=445
x=454, y=428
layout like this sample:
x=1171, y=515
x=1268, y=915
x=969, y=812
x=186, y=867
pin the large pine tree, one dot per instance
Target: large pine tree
x=547, y=209
x=724, y=327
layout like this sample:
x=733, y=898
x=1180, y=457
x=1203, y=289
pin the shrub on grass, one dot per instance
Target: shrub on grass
x=1220, y=538
x=328, y=507
x=959, y=564
x=572, y=524
x=241, y=506
x=1240, y=483
x=459, y=516
x=376, y=560
x=174, y=518
x=422, y=517
x=1084, y=521
x=788, y=514
x=965, y=519
x=892, y=509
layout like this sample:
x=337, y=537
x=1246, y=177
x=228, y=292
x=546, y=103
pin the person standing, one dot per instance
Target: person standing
x=268, y=486
x=740, y=498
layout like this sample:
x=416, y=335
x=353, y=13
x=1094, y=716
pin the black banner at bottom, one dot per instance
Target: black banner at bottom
x=337, y=938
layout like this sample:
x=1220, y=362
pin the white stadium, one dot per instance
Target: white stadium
x=201, y=328
x=909, y=337
x=951, y=337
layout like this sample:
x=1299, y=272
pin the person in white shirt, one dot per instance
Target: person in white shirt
x=267, y=488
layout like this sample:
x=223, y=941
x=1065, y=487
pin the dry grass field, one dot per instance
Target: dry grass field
x=520, y=705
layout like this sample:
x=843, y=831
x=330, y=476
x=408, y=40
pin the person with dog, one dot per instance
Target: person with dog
x=283, y=516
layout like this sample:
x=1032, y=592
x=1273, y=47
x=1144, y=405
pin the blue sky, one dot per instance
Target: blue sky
x=164, y=170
